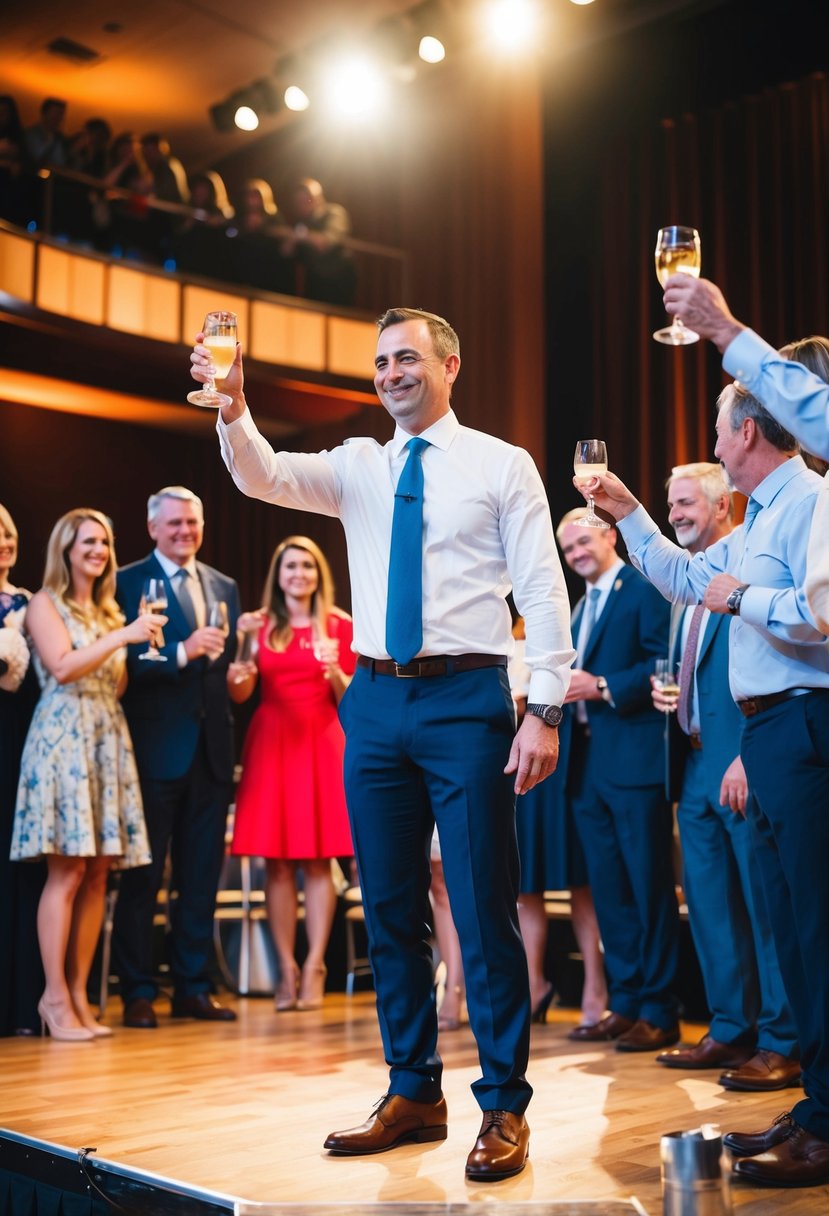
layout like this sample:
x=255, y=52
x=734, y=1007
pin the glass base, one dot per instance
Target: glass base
x=590, y=521
x=673, y=336
x=209, y=399
x=153, y=656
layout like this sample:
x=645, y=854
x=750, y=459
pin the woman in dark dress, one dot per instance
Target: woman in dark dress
x=21, y=975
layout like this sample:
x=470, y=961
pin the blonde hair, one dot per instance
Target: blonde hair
x=7, y=522
x=57, y=576
x=322, y=601
x=710, y=478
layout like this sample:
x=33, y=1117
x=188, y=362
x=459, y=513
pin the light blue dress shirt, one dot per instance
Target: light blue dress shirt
x=775, y=644
x=797, y=398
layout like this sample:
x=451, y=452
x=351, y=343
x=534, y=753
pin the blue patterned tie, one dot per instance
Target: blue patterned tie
x=404, y=607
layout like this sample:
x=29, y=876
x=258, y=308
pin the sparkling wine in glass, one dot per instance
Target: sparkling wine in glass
x=220, y=337
x=153, y=599
x=665, y=680
x=589, y=461
x=677, y=252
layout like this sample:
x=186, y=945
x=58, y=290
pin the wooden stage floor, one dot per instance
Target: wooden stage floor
x=243, y=1109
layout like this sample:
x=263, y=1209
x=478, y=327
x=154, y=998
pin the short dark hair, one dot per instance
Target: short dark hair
x=444, y=339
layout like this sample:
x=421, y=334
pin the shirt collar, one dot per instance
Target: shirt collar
x=771, y=486
x=606, y=580
x=440, y=434
x=171, y=568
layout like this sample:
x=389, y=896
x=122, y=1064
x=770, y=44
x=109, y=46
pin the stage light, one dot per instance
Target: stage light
x=431, y=50
x=353, y=87
x=246, y=119
x=512, y=24
x=296, y=99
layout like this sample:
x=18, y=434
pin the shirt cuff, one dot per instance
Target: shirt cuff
x=181, y=656
x=743, y=358
x=636, y=528
x=242, y=428
x=755, y=606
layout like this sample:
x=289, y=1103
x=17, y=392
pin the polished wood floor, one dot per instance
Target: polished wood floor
x=243, y=1109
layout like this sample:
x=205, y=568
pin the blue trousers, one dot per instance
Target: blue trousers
x=786, y=755
x=420, y=751
x=730, y=923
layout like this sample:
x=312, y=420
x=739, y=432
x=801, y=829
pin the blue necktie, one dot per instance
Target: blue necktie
x=404, y=607
x=183, y=596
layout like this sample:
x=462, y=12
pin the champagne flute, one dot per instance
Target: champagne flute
x=247, y=647
x=589, y=461
x=153, y=599
x=665, y=681
x=217, y=618
x=220, y=336
x=677, y=252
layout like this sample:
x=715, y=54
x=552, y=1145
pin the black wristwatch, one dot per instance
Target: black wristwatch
x=733, y=601
x=551, y=714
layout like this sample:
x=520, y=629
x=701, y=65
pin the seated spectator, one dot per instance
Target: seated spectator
x=199, y=241
x=316, y=242
x=46, y=145
x=256, y=257
x=15, y=187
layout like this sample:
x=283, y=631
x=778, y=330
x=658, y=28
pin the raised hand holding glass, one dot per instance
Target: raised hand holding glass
x=220, y=337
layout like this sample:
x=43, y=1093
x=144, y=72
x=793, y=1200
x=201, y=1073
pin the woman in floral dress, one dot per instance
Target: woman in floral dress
x=78, y=799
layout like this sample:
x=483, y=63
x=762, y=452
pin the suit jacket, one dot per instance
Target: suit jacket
x=721, y=723
x=167, y=706
x=632, y=631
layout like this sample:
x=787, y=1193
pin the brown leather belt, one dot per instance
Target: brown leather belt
x=431, y=665
x=758, y=705
x=695, y=741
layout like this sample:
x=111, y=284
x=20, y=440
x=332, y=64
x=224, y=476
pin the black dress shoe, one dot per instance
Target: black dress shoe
x=202, y=1006
x=140, y=1015
x=644, y=1036
x=610, y=1027
x=751, y=1144
x=708, y=1053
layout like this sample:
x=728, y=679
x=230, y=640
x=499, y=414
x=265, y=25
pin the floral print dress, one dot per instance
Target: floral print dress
x=78, y=794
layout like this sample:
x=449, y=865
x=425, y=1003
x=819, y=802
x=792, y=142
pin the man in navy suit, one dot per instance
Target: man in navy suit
x=179, y=717
x=620, y=627
x=726, y=905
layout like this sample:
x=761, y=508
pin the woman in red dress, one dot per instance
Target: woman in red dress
x=290, y=805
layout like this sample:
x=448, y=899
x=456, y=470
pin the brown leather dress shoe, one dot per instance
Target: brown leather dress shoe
x=202, y=1006
x=140, y=1015
x=766, y=1070
x=751, y=1144
x=394, y=1120
x=501, y=1149
x=610, y=1027
x=644, y=1036
x=799, y=1160
x=708, y=1053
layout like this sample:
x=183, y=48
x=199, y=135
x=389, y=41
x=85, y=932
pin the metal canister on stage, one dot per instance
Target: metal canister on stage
x=695, y=1174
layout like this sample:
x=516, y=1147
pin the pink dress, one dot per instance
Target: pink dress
x=290, y=803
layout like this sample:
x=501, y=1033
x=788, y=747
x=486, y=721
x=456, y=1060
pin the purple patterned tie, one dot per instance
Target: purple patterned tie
x=686, y=670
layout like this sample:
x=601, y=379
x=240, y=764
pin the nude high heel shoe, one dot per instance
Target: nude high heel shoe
x=285, y=995
x=445, y=1020
x=312, y=987
x=65, y=1034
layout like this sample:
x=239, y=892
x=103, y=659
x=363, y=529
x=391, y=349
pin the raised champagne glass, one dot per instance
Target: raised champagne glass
x=153, y=599
x=220, y=337
x=665, y=681
x=677, y=252
x=589, y=461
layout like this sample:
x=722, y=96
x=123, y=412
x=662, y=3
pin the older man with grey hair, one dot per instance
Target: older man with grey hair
x=179, y=716
x=751, y=1036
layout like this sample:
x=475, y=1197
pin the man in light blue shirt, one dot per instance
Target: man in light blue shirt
x=779, y=677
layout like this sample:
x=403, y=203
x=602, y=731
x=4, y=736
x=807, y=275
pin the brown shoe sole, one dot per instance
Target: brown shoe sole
x=418, y=1135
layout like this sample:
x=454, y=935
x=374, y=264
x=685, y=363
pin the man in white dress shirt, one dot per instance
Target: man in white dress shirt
x=430, y=727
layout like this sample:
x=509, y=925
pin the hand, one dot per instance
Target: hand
x=203, y=369
x=609, y=493
x=207, y=640
x=248, y=621
x=144, y=628
x=582, y=687
x=718, y=591
x=701, y=306
x=534, y=753
x=734, y=787
x=237, y=673
x=665, y=705
x=327, y=654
